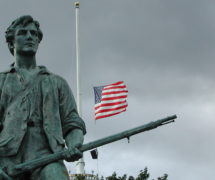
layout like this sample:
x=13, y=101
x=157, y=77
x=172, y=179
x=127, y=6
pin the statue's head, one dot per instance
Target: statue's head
x=20, y=29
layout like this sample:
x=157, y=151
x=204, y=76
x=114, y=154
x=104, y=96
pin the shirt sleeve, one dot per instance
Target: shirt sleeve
x=68, y=110
x=2, y=80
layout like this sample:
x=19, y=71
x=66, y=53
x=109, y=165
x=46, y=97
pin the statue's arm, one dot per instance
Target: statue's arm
x=75, y=138
x=68, y=110
x=74, y=141
x=2, y=81
x=72, y=124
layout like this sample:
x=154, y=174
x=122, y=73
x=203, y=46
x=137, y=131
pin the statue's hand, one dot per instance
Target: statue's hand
x=4, y=176
x=74, y=141
x=73, y=154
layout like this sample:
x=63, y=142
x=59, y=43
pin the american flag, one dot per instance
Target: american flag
x=110, y=99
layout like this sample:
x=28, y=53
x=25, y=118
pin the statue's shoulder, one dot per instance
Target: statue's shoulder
x=55, y=78
x=10, y=69
x=3, y=76
x=4, y=73
x=59, y=80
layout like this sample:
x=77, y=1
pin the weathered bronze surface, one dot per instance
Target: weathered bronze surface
x=38, y=114
x=31, y=165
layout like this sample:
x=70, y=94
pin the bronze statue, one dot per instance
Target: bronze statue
x=38, y=113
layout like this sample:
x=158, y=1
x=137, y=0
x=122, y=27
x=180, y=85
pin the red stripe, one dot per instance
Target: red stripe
x=110, y=104
x=121, y=87
x=114, y=92
x=117, y=83
x=108, y=115
x=113, y=109
x=113, y=98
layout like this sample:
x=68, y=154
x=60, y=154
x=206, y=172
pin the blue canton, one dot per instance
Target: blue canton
x=98, y=93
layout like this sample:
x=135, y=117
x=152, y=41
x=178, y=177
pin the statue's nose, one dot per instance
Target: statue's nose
x=29, y=35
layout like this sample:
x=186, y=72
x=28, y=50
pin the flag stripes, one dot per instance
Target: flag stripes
x=113, y=87
x=104, y=115
x=114, y=92
x=110, y=99
x=98, y=109
x=109, y=104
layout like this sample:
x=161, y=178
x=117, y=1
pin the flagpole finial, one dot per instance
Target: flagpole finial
x=77, y=4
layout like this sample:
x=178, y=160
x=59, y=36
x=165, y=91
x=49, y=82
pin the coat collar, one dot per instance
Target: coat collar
x=12, y=69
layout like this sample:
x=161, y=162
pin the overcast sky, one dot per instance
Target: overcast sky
x=164, y=51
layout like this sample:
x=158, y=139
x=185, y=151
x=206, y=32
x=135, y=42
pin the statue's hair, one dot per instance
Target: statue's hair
x=21, y=21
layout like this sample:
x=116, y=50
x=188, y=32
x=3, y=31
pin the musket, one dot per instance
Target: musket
x=36, y=163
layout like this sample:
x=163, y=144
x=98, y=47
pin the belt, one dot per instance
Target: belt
x=31, y=123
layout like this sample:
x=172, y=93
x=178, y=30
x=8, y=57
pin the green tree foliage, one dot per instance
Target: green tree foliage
x=131, y=178
x=114, y=177
x=143, y=175
x=163, y=178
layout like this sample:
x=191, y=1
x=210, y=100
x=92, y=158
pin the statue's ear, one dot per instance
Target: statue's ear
x=11, y=47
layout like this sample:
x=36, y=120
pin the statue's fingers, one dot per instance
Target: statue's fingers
x=78, y=154
x=69, y=153
x=73, y=154
x=78, y=145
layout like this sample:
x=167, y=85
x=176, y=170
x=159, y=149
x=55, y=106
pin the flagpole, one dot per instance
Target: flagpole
x=77, y=5
x=80, y=163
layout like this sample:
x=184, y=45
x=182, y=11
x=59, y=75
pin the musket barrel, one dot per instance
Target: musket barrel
x=127, y=133
x=30, y=165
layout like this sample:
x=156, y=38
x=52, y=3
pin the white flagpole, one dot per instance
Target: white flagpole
x=80, y=163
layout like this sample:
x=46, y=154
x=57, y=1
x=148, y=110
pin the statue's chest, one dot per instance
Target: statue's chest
x=14, y=86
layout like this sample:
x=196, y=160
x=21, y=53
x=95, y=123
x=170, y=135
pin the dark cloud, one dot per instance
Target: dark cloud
x=163, y=50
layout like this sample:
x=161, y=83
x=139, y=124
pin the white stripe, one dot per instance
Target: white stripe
x=114, y=95
x=110, y=107
x=109, y=86
x=114, y=90
x=111, y=101
x=111, y=112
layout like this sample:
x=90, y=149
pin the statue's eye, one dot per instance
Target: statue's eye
x=34, y=33
x=21, y=32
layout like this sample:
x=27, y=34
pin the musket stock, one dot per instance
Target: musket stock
x=33, y=164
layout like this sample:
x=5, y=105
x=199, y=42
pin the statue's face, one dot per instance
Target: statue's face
x=26, y=40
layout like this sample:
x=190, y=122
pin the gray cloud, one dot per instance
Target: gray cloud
x=163, y=50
